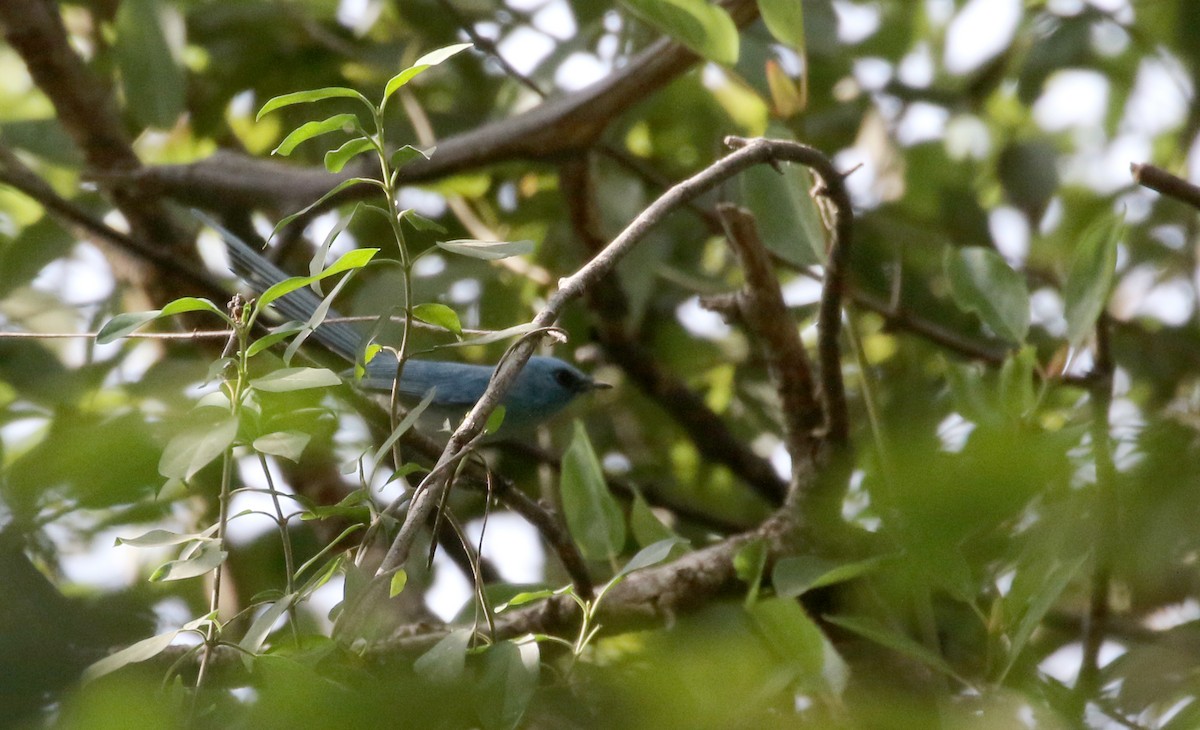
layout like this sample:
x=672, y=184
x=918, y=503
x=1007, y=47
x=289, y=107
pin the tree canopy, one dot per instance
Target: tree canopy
x=898, y=300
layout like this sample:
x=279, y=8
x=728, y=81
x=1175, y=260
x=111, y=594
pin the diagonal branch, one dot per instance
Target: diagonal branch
x=748, y=153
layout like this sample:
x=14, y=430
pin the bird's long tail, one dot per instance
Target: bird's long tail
x=299, y=305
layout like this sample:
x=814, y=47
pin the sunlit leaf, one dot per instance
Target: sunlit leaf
x=785, y=20
x=706, y=29
x=438, y=315
x=308, y=130
x=306, y=97
x=335, y=160
x=422, y=64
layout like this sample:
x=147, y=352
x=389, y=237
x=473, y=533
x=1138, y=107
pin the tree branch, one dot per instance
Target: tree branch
x=1161, y=181
x=560, y=126
x=762, y=309
x=748, y=154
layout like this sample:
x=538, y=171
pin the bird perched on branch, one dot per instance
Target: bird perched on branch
x=544, y=386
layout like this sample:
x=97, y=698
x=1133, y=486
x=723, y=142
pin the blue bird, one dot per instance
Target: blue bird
x=544, y=386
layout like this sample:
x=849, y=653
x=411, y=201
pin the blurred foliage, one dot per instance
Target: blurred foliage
x=989, y=205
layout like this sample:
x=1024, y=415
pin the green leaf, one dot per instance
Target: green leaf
x=487, y=250
x=407, y=154
x=122, y=324
x=981, y=282
x=1091, y=276
x=786, y=216
x=423, y=63
x=495, y=420
x=347, y=183
x=871, y=629
x=647, y=528
x=139, y=652
x=335, y=160
x=160, y=538
x=192, y=304
x=152, y=80
x=396, y=585
x=444, y=663
x=261, y=628
x=438, y=315
x=795, y=575
x=791, y=635
x=194, y=448
x=308, y=130
x=284, y=444
x=288, y=379
x=1034, y=608
x=507, y=685
x=749, y=563
x=1017, y=396
x=420, y=222
x=204, y=560
x=593, y=516
x=706, y=29
x=650, y=555
x=355, y=259
x=409, y=420
x=278, y=335
x=307, y=97
x=785, y=20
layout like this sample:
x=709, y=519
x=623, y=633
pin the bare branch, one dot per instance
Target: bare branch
x=763, y=310
x=1161, y=181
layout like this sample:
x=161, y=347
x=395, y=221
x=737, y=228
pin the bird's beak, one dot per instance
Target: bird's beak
x=597, y=385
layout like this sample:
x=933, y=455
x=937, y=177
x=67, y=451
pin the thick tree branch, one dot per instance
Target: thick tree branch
x=84, y=108
x=560, y=126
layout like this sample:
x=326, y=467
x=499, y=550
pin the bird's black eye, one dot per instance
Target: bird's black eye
x=566, y=379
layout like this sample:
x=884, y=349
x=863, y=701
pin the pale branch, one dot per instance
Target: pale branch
x=748, y=153
x=763, y=310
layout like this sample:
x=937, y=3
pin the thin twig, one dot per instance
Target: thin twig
x=1096, y=626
